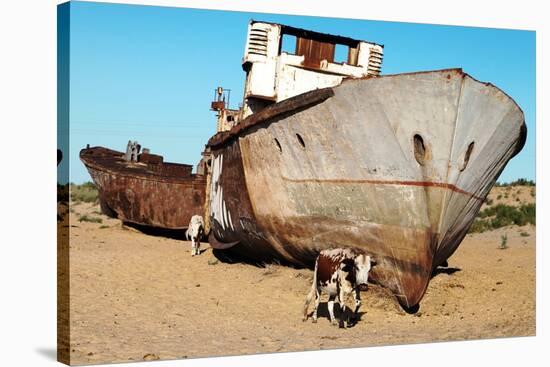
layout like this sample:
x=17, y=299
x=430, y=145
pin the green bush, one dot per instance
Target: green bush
x=85, y=218
x=87, y=192
x=504, y=242
x=503, y=215
x=518, y=182
x=479, y=226
x=522, y=182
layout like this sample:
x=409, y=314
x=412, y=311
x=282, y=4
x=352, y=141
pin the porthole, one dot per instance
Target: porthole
x=467, y=156
x=301, y=140
x=278, y=145
x=419, y=149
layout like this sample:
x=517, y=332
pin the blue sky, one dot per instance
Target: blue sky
x=148, y=73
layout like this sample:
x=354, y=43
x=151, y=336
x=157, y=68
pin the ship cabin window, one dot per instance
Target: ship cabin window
x=288, y=44
x=316, y=47
x=341, y=54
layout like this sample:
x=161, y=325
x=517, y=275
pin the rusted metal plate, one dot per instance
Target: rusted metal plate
x=217, y=105
x=164, y=195
x=314, y=51
x=348, y=172
x=290, y=105
x=151, y=159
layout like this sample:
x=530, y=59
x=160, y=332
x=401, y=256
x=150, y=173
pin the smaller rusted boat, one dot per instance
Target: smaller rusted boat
x=141, y=188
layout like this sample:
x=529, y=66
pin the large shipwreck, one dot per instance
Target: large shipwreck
x=332, y=154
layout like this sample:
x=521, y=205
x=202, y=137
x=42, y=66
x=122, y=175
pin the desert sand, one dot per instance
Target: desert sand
x=137, y=297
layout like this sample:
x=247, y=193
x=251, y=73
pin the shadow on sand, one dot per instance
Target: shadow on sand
x=441, y=270
x=175, y=234
x=323, y=315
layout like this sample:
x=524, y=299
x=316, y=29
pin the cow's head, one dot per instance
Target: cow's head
x=363, y=264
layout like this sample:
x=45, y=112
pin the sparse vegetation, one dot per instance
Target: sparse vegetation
x=479, y=226
x=502, y=215
x=524, y=234
x=103, y=226
x=503, y=242
x=87, y=192
x=518, y=182
x=86, y=218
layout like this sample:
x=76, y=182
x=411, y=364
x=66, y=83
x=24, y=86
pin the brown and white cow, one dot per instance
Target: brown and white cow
x=339, y=273
x=195, y=231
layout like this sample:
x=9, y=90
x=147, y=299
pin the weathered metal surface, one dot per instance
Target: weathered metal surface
x=164, y=195
x=314, y=51
x=217, y=105
x=386, y=165
x=270, y=112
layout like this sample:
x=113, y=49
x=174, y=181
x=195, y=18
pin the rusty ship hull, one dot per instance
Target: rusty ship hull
x=162, y=195
x=396, y=166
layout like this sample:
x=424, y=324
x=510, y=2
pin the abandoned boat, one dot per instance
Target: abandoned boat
x=325, y=154
x=140, y=188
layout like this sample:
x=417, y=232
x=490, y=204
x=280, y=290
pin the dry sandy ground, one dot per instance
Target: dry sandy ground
x=136, y=296
x=511, y=195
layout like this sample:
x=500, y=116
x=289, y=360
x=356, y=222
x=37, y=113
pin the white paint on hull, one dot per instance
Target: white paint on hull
x=218, y=209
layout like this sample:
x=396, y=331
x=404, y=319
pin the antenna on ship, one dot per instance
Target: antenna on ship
x=225, y=116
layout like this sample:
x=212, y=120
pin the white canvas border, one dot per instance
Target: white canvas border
x=28, y=118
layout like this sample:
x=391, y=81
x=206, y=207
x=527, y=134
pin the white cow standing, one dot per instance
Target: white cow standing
x=195, y=231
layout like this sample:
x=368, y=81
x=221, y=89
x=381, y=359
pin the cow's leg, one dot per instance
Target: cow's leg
x=192, y=246
x=357, y=297
x=331, y=309
x=198, y=246
x=317, y=301
x=342, y=295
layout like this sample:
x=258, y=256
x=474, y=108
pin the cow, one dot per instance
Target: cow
x=195, y=232
x=339, y=273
